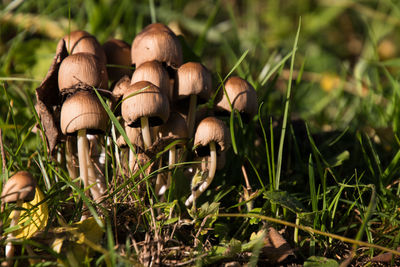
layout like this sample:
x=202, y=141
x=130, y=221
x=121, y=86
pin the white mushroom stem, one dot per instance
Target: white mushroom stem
x=98, y=189
x=132, y=159
x=114, y=136
x=95, y=177
x=171, y=163
x=144, y=123
x=211, y=173
x=9, y=249
x=191, y=115
x=83, y=150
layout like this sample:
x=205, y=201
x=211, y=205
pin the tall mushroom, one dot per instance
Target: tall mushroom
x=83, y=113
x=176, y=129
x=18, y=189
x=211, y=138
x=242, y=97
x=144, y=105
x=193, y=80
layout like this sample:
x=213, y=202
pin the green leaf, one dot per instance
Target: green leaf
x=315, y=261
x=285, y=200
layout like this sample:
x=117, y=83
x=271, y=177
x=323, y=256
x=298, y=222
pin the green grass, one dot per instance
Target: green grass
x=332, y=171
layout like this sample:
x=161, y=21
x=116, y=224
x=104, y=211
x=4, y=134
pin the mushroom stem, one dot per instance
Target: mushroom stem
x=98, y=188
x=171, y=163
x=9, y=249
x=211, y=173
x=132, y=159
x=114, y=136
x=83, y=150
x=144, y=123
x=191, y=115
x=69, y=158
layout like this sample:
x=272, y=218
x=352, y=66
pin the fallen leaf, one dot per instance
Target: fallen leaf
x=33, y=218
x=48, y=99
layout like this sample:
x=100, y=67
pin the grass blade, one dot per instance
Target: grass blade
x=286, y=113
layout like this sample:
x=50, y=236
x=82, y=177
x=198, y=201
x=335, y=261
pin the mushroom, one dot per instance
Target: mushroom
x=193, y=80
x=156, y=42
x=176, y=129
x=118, y=55
x=144, y=106
x=82, y=41
x=242, y=97
x=154, y=72
x=82, y=67
x=18, y=189
x=83, y=113
x=211, y=138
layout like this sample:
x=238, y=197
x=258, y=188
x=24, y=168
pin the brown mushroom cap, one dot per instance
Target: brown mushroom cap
x=175, y=127
x=82, y=67
x=82, y=41
x=144, y=99
x=211, y=129
x=21, y=186
x=156, y=42
x=193, y=79
x=118, y=53
x=83, y=110
x=242, y=95
x=154, y=72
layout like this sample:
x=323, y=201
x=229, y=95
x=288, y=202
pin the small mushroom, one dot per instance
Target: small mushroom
x=154, y=72
x=82, y=41
x=82, y=67
x=144, y=106
x=211, y=138
x=177, y=129
x=156, y=42
x=118, y=55
x=83, y=113
x=193, y=81
x=18, y=189
x=242, y=97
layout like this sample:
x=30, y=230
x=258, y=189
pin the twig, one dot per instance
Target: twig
x=246, y=179
x=3, y=155
x=200, y=229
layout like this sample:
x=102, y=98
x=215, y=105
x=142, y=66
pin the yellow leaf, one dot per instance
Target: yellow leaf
x=33, y=218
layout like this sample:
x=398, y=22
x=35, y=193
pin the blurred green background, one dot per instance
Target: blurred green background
x=345, y=64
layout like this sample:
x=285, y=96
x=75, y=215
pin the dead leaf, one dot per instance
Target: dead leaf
x=48, y=99
x=277, y=249
x=385, y=257
x=33, y=218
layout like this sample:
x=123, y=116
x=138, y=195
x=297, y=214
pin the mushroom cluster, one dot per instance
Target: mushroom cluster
x=155, y=95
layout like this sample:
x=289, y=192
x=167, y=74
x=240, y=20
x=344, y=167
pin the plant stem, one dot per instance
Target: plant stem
x=144, y=123
x=191, y=115
x=211, y=173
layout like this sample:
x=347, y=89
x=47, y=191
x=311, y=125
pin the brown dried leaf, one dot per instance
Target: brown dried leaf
x=385, y=257
x=277, y=249
x=48, y=99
